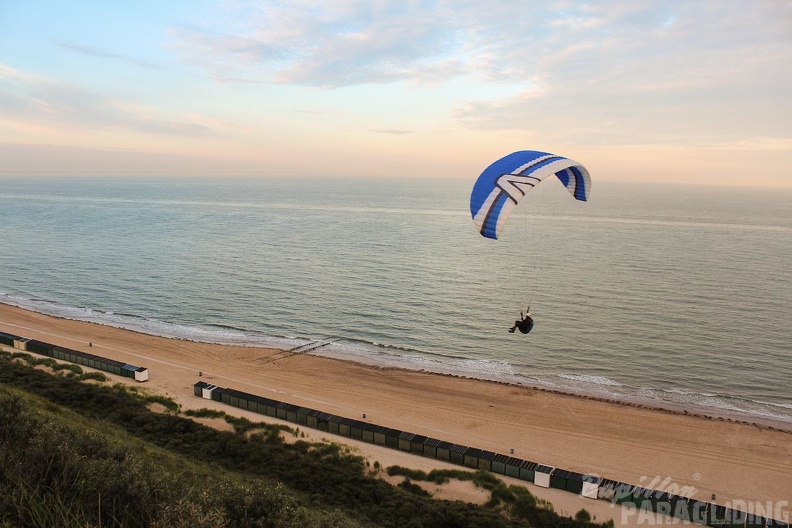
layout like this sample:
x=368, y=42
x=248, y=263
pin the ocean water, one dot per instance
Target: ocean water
x=671, y=296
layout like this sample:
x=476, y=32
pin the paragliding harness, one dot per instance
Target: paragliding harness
x=525, y=324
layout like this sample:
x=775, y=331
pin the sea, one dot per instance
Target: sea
x=672, y=296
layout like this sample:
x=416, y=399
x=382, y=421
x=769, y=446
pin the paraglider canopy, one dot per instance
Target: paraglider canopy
x=503, y=185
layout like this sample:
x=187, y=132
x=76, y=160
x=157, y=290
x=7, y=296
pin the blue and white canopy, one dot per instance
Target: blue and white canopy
x=504, y=183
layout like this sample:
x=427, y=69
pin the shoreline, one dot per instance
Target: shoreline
x=322, y=345
x=635, y=443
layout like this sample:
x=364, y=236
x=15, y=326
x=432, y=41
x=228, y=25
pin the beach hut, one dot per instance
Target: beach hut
x=566, y=480
x=622, y=492
x=281, y=410
x=291, y=413
x=217, y=394
x=8, y=339
x=35, y=346
x=485, y=459
x=21, y=343
x=698, y=511
x=610, y=490
x=244, y=400
x=542, y=475
x=558, y=479
x=444, y=451
x=417, y=444
x=755, y=521
x=458, y=454
x=404, y=440
x=356, y=429
x=430, y=447
x=204, y=390
x=379, y=435
x=521, y=469
x=199, y=387
x=660, y=502
x=260, y=405
x=345, y=427
x=368, y=430
x=724, y=517
x=252, y=402
x=312, y=418
x=302, y=415
x=128, y=371
x=392, y=438
x=639, y=496
x=470, y=457
x=271, y=407
x=333, y=423
x=499, y=464
x=680, y=508
x=590, y=488
x=232, y=396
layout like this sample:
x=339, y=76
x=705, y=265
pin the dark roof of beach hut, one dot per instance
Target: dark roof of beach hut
x=406, y=435
x=418, y=439
x=368, y=426
x=432, y=442
x=486, y=455
x=9, y=336
x=36, y=342
x=592, y=479
x=348, y=421
x=541, y=468
x=457, y=448
x=472, y=451
x=201, y=385
x=616, y=485
x=445, y=445
x=569, y=475
x=501, y=458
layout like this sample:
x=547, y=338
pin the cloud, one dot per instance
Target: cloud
x=343, y=43
x=103, y=54
x=569, y=46
x=32, y=101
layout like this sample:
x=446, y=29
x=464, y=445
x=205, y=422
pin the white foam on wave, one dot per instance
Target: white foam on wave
x=372, y=354
x=589, y=379
x=188, y=332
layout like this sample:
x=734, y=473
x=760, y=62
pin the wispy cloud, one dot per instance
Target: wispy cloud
x=345, y=43
x=573, y=47
x=92, y=51
x=34, y=101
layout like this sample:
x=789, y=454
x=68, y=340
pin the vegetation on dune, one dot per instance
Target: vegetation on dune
x=83, y=454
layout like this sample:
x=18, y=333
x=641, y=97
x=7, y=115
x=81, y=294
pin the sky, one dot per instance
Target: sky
x=692, y=91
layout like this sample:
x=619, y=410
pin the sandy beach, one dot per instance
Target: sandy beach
x=733, y=460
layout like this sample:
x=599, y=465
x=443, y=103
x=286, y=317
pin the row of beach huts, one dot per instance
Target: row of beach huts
x=680, y=508
x=119, y=368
